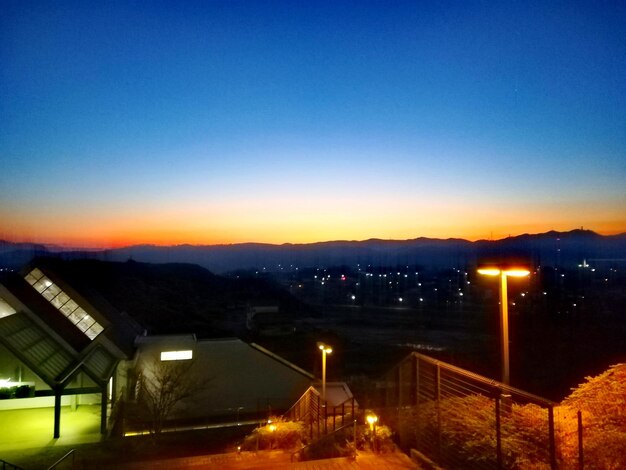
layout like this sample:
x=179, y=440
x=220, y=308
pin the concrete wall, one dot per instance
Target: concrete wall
x=230, y=378
x=44, y=402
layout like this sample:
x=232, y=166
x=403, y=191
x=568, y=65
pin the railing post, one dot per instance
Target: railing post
x=318, y=416
x=417, y=380
x=438, y=397
x=498, y=433
x=399, y=393
x=399, y=378
x=552, y=437
x=334, y=418
x=353, y=415
x=417, y=400
x=343, y=413
x=325, y=417
x=581, y=456
x=310, y=402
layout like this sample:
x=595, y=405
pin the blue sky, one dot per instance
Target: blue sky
x=302, y=121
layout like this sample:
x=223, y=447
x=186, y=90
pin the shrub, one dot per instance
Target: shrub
x=277, y=434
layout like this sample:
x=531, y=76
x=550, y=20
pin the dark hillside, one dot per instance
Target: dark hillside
x=176, y=298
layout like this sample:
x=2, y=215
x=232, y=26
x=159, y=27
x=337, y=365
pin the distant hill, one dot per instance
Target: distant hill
x=550, y=248
x=174, y=298
x=15, y=255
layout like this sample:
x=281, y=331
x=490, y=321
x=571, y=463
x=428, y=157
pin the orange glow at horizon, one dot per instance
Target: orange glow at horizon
x=212, y=227
x=277, y=221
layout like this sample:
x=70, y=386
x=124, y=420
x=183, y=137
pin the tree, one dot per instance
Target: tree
x=163, y=386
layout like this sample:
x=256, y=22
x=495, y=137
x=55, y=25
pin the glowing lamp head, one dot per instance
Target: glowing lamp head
x=509, y=272
x=324, y=348
x=517, y=272
x=371, y=419
x=489, y=271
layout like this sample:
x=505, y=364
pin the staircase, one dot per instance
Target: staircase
x=321, y=417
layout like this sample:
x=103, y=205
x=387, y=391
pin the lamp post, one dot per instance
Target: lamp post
x=504, y=310
x=325, y=350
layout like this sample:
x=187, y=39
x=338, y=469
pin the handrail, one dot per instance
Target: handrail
x=71, y=452
x=322, y=437
x=304, y=396
x=479, y=378
x=9, y=465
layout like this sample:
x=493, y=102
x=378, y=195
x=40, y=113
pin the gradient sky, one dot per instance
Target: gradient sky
x=224, y=122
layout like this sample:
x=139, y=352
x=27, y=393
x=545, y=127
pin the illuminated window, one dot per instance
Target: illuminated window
x=176, y=355
x=63, y=303
x=5, y=309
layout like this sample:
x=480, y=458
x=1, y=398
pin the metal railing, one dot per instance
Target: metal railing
x=296, y=455
x=71, y=453
x=464, y=420
x=9, y=466
x=317, y=416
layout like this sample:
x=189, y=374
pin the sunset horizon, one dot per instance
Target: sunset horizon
x=494, y=237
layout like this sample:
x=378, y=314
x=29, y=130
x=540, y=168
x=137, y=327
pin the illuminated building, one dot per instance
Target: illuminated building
x=62, y=344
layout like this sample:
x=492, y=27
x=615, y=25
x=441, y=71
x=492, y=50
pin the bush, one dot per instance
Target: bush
x=277, y=434
x=383, y=441
x=602, y=401
x=468, y=427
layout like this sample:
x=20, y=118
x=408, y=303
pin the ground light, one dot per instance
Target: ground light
x=372, y=419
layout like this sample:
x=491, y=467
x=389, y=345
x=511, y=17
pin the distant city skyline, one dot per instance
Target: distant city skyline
x=229, y=122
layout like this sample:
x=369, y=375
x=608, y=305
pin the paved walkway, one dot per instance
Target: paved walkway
x=34, y=427
x=278, y=460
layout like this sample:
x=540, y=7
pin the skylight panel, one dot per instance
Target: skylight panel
x=94, y=330
x=51, y=292
x=42, y=284
x=68, y=307
x=60, y=300
x=64, y=303
x=33, y=276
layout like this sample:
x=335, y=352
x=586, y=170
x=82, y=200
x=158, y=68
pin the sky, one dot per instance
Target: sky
x=238, y=121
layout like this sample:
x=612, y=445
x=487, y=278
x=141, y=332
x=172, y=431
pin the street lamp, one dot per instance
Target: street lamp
x=325, y=350
x=504, y=310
